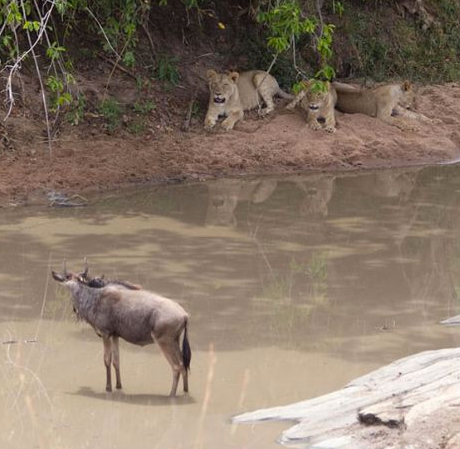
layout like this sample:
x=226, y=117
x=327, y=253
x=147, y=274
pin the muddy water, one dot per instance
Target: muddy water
x=295, y=286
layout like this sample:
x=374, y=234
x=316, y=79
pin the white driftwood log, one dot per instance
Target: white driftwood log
x=413, y=403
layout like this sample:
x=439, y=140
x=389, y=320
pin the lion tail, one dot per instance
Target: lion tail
x=285, y=95
x=344, y=88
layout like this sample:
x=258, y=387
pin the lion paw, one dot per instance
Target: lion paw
x=227, y=125
x=209, y=124
x=315, y=126
x=330, y=129
x=265, y=111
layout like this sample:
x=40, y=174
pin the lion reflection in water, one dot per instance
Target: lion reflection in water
x=226, y=194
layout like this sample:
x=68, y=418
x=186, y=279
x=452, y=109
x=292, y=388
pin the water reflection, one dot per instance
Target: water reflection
x=295, y=285
x=226, y=194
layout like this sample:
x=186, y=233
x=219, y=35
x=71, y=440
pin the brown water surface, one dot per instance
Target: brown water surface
x=295, y=286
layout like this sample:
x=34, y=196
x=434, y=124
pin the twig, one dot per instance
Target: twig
x=118, y=66
x=188, y=117
x=103, y=32
x=53, y=65
x=17, y=63
x=319, y=6
x=267, y=72
x=42, y=310
x=149, y=37
x=212, y=359
x=40, y=80
x=294, y=59
x=115, y=66
x=12, y=342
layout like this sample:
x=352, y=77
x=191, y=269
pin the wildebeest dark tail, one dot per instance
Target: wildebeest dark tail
x=186, y=351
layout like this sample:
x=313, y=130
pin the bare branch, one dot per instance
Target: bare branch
x=12, y=69
x=40, y=80
x=103, y=32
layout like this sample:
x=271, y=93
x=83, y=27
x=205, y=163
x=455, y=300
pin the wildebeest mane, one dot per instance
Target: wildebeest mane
x=101, y=282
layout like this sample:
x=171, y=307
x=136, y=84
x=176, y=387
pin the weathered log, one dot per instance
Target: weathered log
x=412, y=403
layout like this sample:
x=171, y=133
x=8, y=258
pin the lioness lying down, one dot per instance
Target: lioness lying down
x=319, y=106
x=389, y=103
x=231, y=94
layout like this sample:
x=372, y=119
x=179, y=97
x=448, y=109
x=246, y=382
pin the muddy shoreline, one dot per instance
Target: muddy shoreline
x=278, y=145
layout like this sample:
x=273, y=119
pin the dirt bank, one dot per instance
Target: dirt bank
x=88, y=161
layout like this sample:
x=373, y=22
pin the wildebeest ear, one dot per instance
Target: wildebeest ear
x=234, y=76
x=211, y=75
x=57, y=277
x=406, y=85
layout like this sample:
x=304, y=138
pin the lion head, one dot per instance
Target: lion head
x=407, y=98
x=222, y=86
x=315, y=99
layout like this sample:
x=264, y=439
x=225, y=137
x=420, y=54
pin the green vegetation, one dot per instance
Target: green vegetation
x=286, y=24
x=139, y=122
x=167, y=70
x=382, y=43
x=76, y=112
x=296, y=292
x=302, y=282
x=112, y=111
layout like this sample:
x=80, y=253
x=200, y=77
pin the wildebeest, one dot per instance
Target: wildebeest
x=120, y=309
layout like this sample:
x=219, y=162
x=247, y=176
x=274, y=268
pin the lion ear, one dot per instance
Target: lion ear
x=211, y=74
x=406, y=85
x=234, y=76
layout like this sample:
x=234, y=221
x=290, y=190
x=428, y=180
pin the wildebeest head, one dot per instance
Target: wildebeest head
x=90, y=281
x=66, y=275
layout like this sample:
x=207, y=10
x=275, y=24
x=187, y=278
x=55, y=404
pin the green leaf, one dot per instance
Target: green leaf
x=129, y=59
x=31, y=26
x=318, y=86
x=54, y=51
x=298, y=87
x=279, y=44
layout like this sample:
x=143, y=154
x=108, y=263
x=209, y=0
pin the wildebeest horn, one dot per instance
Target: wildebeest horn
x=85, y=271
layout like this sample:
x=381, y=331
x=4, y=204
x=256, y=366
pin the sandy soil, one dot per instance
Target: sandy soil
x=279, y=144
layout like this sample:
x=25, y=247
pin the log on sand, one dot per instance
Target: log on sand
x=413, y=403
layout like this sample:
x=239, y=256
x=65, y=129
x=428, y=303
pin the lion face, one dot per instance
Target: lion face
x=407, y=98
x=314, y=101
x=222, y=86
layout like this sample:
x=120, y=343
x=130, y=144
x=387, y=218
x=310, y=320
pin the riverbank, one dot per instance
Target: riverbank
x=87, y=160
x=411, y=403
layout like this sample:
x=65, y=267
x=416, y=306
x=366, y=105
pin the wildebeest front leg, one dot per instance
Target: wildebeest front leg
x=116, y=360
x=108, y=361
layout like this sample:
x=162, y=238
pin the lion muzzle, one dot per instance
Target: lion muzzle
x=219, y=100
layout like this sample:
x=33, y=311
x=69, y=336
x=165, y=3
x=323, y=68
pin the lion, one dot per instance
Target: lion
x=232, y=94
x=318, y=105
x=390, y=103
